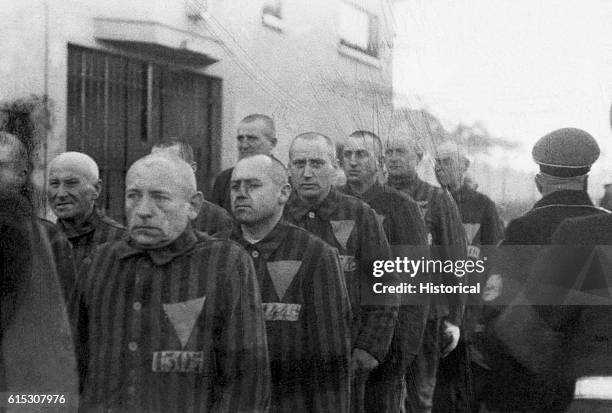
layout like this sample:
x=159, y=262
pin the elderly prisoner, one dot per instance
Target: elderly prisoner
x=73, y=187
x=181, y=310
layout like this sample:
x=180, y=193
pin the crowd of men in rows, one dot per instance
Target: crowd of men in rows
x=261, y=299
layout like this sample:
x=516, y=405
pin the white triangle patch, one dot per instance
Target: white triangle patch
x=183, y=317
x=282, y=274
x=342, y=230
x=470, y=231
x=380, y=218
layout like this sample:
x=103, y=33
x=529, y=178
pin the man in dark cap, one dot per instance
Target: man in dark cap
x=462, y=373
x=255, y=135
x=565, y=157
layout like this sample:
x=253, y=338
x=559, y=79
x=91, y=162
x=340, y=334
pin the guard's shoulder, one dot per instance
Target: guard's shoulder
x=590, y=230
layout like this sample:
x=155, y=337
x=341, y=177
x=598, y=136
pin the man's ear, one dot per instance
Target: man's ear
x=285, y=193
x=195, y=205
x=97, y=186
x=536, y=179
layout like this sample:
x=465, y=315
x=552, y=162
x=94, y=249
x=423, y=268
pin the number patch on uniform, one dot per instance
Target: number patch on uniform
x=178, y=361
x=348, y=263
x=473, y=251
x=281, y=311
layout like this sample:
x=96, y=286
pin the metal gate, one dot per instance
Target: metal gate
x=119, y=107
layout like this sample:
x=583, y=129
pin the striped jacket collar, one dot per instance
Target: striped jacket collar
x=269, y=243
x=372, y=193
x=160, y=256
x=89, y=225
x=297, y=209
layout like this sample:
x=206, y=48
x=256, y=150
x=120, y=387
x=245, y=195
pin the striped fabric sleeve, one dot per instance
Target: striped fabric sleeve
x=329, y=333
x=451, y=245
x=243, y=382
x=378, y=321
x=78, y=313
x=64, y=259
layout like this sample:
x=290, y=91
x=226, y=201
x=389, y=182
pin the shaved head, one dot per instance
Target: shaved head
x=73, y=186
x=266, y=123
x=177, y=171
x=160, y=199
x=259, y=190
x=314, y=136
x=272, y=166
x=77, y=162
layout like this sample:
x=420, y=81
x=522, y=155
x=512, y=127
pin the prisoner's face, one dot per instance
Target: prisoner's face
x=251, y=139
x=254, y=194
x=401, y=158
x=359, y=159
x=71, y=191
x=312, y=168
x=449, y=171
x=157, y=204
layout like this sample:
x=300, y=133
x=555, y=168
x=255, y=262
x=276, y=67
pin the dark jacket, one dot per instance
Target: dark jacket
x=221, y=190
x=36, y=348
x=95, y=230
x=527, y=238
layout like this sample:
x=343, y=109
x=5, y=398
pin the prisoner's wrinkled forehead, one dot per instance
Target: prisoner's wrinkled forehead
x=164, y=169
x=76, y=162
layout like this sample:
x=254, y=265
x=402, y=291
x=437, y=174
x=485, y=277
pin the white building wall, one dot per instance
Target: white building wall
x=298, y=75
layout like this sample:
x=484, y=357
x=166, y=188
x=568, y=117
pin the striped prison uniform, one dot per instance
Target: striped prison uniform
x=351, y=226
x=448, y=242
x=63, y=254
x=406, y=233
x=463, y=374
x=213, y=219
x=307, y=312
x=175, y=329
x=95, y=230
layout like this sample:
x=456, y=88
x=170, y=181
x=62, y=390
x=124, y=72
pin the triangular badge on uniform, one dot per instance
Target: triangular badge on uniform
x=380, y=218
x=342, y=230
x=183, y=317
x=282, y=274
x=470, y=231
